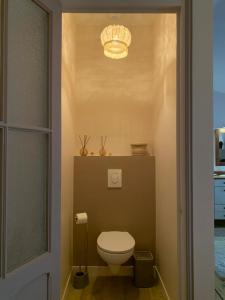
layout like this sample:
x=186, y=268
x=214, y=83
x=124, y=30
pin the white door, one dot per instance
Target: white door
x=29, y=149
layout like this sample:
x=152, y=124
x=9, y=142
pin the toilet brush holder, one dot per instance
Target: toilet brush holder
x=81, y=280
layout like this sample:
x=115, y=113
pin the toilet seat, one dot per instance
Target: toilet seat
x=115, y=242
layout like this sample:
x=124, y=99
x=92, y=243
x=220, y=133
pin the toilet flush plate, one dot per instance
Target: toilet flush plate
x=114, y=178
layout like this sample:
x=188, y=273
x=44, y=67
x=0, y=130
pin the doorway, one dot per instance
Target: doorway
x=134, y=99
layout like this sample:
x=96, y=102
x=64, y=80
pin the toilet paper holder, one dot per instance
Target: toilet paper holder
x=81, y=279
x=81, y=218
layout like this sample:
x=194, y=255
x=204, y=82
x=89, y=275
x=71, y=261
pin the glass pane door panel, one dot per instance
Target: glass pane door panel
x=27, y=196
x=27, y=64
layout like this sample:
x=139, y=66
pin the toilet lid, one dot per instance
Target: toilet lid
x=116, y=241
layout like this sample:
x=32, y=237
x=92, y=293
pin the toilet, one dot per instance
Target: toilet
x=115, y=248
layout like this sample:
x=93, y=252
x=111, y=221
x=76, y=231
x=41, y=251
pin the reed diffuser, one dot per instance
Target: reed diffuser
x=102, y=151
x=84, y=141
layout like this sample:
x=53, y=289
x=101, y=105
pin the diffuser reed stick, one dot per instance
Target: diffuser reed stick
x=84, y=141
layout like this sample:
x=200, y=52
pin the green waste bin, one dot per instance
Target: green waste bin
x=143, y=269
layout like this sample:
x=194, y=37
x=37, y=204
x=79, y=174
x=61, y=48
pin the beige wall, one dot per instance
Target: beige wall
x=114, y=97
x=130, y=208
x=68, y=147
x=165, y=152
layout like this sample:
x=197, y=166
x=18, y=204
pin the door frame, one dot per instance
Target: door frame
x=202, y=149
x=184, y=119
x=195, y=165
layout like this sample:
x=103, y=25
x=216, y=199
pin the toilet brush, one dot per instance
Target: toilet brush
x=81, y=278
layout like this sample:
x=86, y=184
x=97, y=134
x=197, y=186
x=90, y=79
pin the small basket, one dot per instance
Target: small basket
x=139, y=149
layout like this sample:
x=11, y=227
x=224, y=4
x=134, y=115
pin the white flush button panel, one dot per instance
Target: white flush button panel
x=114, y=178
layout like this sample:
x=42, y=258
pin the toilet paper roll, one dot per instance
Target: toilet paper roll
x=81, y=218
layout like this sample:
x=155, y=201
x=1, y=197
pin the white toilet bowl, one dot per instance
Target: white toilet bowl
x=115, y=248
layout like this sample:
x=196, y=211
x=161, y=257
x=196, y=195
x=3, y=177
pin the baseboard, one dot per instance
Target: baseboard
x=162, y=283
x=104, y=271
x=66, y=289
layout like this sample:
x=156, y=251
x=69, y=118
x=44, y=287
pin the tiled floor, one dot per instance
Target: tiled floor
x=115, y=288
